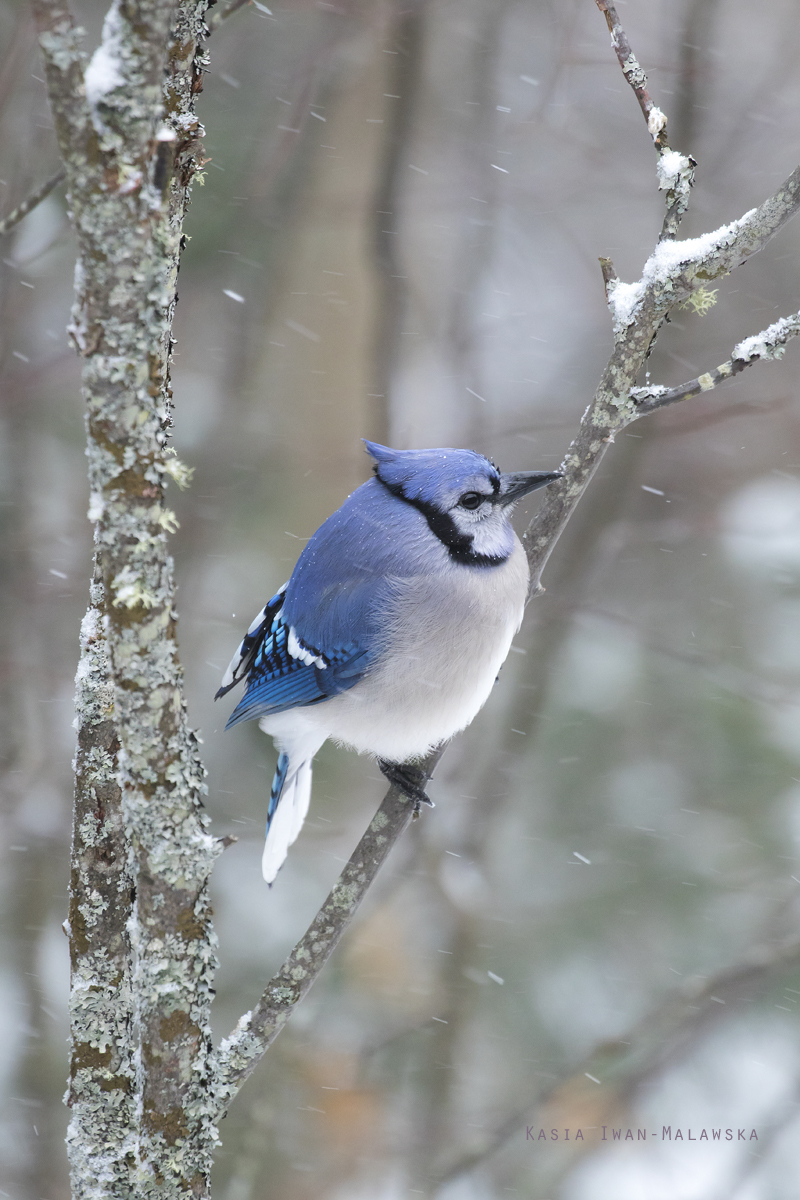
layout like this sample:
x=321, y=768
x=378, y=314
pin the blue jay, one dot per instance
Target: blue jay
x=389, y=635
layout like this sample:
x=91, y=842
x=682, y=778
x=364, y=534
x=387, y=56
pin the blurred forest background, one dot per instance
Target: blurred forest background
x=398, y=238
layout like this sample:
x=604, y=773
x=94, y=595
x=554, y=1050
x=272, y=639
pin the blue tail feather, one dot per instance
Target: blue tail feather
x=277, y=786
x=288, y=805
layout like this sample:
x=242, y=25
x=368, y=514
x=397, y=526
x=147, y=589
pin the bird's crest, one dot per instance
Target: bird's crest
x=422, y=473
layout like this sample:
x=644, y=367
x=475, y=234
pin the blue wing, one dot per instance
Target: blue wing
x=284, y=671
x=325, y=627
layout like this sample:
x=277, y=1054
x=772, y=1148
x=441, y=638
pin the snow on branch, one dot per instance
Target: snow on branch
x=769, y=344
x=664, y=267
x=671, y=275
x=676, y=269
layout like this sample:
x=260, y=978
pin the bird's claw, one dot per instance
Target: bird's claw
x=409, y=780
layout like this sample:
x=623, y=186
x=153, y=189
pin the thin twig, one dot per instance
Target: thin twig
x=609, y=273
x=675, y=170
x=769, y=344
x=631, y=69
x=30, y=203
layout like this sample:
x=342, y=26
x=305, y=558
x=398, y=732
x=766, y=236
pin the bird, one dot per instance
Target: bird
x=390, y=633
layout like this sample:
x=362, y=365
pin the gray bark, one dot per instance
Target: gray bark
x=143, y=951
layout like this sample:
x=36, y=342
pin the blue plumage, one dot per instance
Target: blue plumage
x=278, y=680
x=281, y=771
x=393, y=626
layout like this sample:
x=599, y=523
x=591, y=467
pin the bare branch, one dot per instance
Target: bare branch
x=240, y=1053
x=769, y=344
x=675, y=170
x=30, y=203
x=656, y=121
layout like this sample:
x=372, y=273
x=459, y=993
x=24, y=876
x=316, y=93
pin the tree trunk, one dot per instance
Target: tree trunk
x=142, y=947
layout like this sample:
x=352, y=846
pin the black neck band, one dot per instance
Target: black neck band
x=459, y=545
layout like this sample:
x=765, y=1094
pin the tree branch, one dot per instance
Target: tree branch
x=769, y=344
x=654, y=118
x=30, y=203
x=255, y=1032
x=670, y=275
x=675, y=170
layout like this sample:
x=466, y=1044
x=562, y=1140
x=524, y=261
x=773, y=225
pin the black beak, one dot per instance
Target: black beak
x=517, y=484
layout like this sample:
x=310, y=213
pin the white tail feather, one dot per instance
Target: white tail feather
x=288, y=819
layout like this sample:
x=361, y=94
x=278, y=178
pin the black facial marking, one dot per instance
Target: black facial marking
x=459, y=545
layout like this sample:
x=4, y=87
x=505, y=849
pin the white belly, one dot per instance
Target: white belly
x=450, y=633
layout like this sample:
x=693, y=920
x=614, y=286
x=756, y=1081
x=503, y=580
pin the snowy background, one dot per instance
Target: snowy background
x=398, y=238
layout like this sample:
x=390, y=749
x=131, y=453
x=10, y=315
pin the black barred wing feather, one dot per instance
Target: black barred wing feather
x=244, y=657
x=283, y=671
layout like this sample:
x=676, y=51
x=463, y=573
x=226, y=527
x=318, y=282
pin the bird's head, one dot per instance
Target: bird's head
x=465, y=499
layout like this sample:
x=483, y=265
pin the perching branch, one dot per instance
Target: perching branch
x=31, y=201
x=256, y=1031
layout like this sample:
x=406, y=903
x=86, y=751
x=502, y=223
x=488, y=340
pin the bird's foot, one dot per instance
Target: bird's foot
x=409, y=780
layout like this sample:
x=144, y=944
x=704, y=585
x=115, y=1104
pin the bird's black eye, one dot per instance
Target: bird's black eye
x=471, y=500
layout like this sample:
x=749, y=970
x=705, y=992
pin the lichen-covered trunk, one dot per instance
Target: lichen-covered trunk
x=142, y=947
